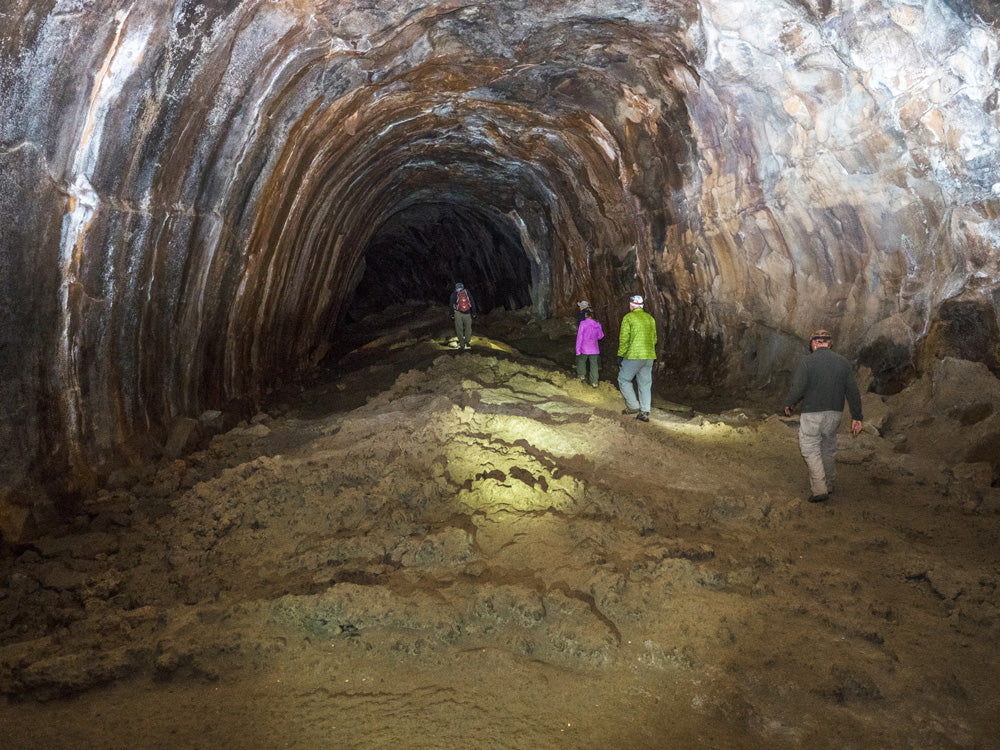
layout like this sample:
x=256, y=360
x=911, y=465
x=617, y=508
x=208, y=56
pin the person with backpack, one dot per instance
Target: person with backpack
x=462, y=310
x=588, y=350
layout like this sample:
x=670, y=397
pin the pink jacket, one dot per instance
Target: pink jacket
x=587, y=336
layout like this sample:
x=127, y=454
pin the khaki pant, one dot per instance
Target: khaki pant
x=818, y=444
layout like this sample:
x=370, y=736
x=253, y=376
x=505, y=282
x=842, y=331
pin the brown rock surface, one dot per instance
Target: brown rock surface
x=197, y=195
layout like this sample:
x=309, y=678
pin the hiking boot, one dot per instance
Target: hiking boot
x=819, y=498
x=642, y=416
x=630, y=411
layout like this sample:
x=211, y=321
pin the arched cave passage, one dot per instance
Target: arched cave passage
x=197, y=195
x=556, y=186
x=198, y=190
x=422, y=250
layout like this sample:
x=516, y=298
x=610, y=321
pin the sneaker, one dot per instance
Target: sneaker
x=467, y=346
x=593, y=385
x=630, y=411
x=819, y=498
x=642, y=416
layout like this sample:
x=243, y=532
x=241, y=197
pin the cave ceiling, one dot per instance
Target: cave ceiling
x=198, y=193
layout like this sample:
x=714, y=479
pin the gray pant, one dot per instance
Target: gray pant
x=818, y=443
x=640, y=370
x=463, y=328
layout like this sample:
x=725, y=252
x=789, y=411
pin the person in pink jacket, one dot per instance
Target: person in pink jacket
x=587, y=348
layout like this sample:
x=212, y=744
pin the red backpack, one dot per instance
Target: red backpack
x=462, y=301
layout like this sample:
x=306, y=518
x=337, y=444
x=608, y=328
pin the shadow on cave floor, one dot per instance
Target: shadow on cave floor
x=422, y=548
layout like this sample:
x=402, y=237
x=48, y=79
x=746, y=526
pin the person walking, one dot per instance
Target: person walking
x=636, y=353
x=588, y=350
x=822, y=381
x=463, y=309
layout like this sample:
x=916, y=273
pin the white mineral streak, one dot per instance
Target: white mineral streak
x=528, y=241
x=120, y=63
x=257, y=41
x=123, y=56
x=83, y=202
x=269, y=28
x=600, y=135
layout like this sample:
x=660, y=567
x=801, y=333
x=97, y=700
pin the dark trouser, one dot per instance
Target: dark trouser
x=581, y=367
x=463, y=328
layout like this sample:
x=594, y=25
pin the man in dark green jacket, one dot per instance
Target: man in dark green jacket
x=822, y=381
x=636, y=352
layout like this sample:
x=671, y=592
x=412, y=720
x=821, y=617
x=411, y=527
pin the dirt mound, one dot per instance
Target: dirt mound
x=485, y=552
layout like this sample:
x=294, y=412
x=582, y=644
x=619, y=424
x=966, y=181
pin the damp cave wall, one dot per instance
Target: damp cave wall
x=189, y=189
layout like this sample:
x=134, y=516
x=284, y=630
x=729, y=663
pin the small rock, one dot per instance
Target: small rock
x=945, y=583
x=258, y=430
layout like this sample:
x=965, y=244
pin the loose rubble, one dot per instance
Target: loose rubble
x=487, y=553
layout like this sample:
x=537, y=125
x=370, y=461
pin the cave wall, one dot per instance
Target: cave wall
x=190, y=188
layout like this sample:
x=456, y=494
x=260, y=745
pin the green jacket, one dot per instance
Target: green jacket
x=637, y=339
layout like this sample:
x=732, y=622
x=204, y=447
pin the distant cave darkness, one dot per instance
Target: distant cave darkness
x=422, y=250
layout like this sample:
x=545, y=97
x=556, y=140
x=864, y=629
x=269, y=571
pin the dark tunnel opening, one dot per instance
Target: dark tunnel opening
x=421, y=251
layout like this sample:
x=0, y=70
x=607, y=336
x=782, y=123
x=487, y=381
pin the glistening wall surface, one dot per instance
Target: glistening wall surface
x=189, y=188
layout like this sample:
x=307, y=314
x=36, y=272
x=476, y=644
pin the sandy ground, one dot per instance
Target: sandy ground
x=425, y=548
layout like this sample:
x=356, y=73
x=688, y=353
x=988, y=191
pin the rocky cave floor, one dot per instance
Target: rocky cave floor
x=423, y=548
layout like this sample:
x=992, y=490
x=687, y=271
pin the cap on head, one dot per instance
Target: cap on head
x=459, y=286
x=636, y=300
x=821, y=335
x=584, y=305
